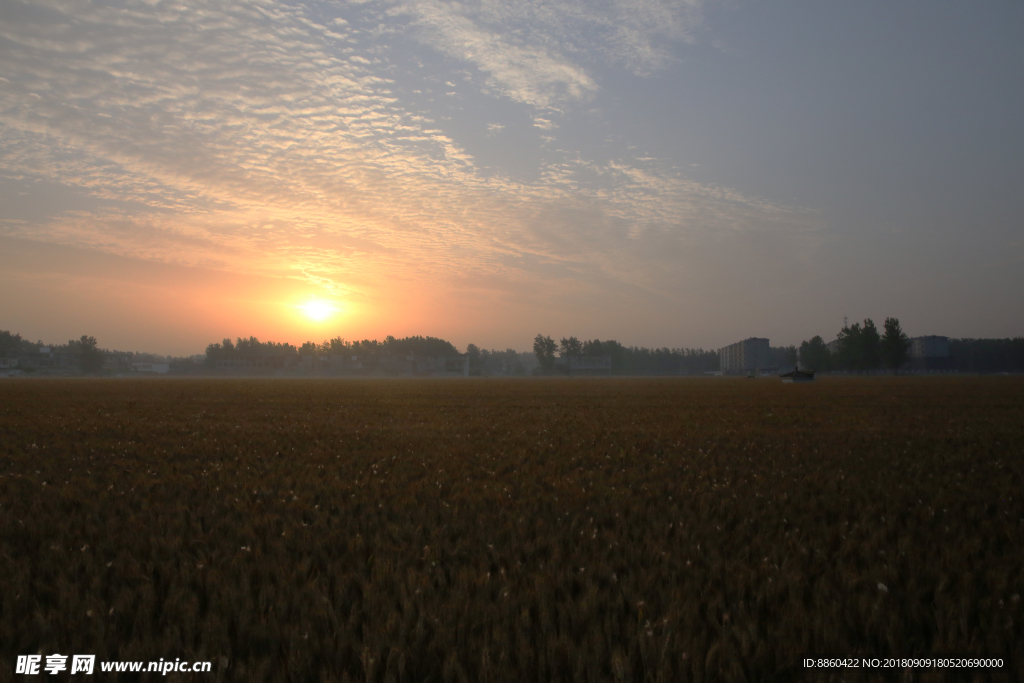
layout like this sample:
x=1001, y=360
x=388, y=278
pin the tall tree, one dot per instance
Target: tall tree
x=895, y=345
x=544, y=348
x=339, y=345
x=782, y=356
x=10, y=344
x=570, y=347
x=512, y=363
x=89, y=356
x=475, y=357
x=814, y=354
x=871, y=345
x=851, y=348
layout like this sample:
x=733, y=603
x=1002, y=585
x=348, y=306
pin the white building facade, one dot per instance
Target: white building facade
x=744, y=356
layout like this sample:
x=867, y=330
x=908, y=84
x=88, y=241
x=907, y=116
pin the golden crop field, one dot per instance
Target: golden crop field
x=514, y=530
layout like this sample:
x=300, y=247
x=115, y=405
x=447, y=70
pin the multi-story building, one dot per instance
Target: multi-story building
x=931, y=346
x=746, y=355
x=930, y=354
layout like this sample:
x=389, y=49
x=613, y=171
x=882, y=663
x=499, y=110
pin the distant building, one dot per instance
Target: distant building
x=833, y=347
x=749, y=354
x=585, y=365
x=931, y=346
x=441, y=366
x=44, y=359
x=253, y=364
x=158, y=368
x=590, y=365
x=118, y=362
x=930, y=354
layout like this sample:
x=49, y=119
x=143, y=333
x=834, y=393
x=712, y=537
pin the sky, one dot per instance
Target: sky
x=681, y=173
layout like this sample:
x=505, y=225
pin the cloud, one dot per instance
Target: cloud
x=261, y=138
x=533, y=74
x=538, y=52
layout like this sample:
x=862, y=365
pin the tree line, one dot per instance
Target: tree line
x=987, y=355
x=860, y=349
x=494, y=362
x=83, y=354
x=625, y=360
x=481, y=361
x=367, y=348
x=84, y=350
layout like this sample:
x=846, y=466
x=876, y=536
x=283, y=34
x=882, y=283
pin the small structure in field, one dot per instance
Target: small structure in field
x=797, y=375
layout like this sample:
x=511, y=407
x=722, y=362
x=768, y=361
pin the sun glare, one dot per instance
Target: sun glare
x=318, y=310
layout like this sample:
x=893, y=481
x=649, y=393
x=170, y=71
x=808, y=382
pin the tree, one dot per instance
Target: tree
x=871, y=345
x=339, y=346
x=213, y=352
x=782, y=356
x=421, y=347
x=616, y=351
x=89, y=356
x=9, y=343
x=895, y=345
x=513, y=365
x=851, y=352
x=860, y=347
x=814, y=354
x=544, y=348
x=474, y=355
x=570, y=347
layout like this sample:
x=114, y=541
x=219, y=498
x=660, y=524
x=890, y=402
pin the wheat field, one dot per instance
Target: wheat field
x=671, y=529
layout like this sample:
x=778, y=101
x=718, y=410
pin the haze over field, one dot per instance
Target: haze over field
x=663, y=173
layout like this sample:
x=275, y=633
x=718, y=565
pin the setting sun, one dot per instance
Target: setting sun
x=318, y=310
